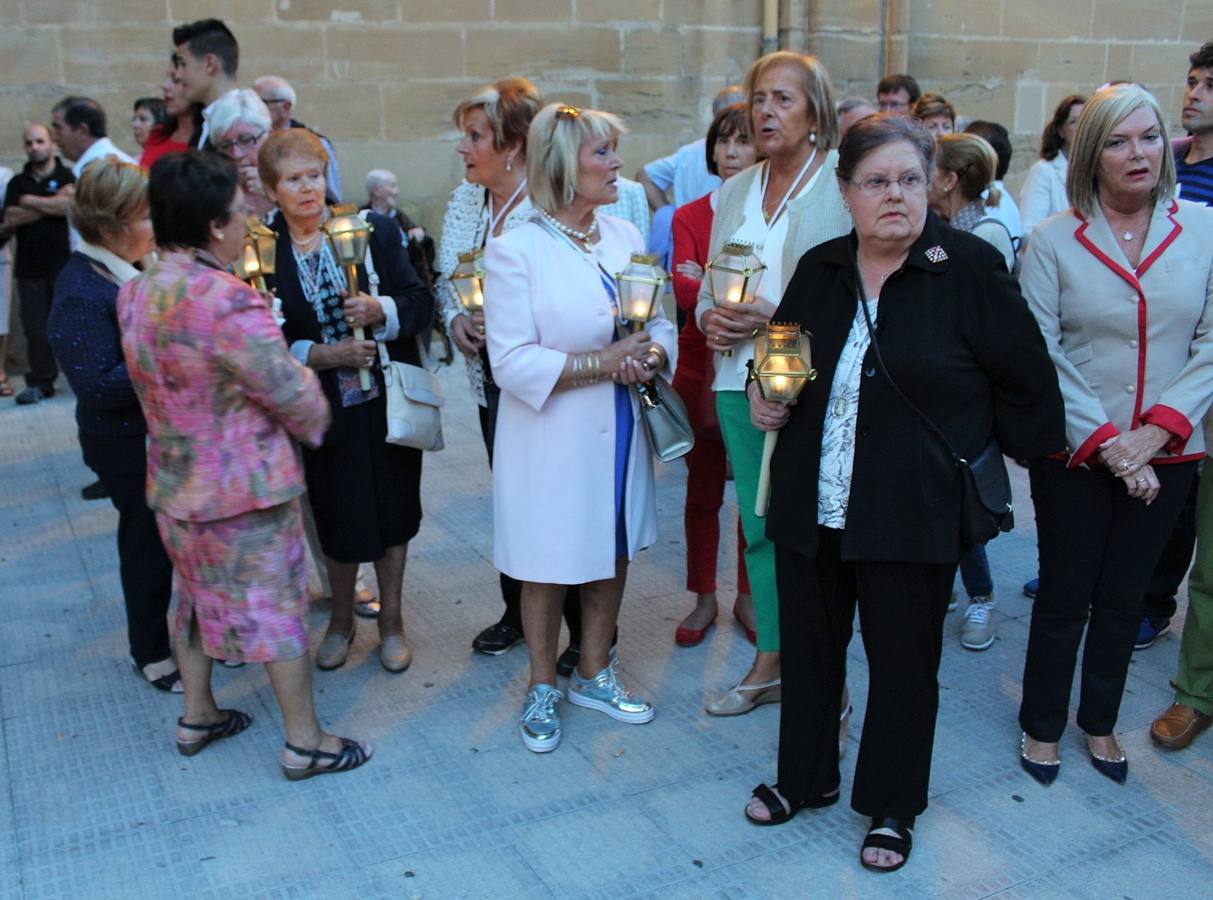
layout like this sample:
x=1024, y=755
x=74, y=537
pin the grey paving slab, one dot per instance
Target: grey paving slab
x=96, y=802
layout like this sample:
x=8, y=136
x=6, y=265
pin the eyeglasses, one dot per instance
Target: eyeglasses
x=272, y=100
x=878, y=184
x=244, y=141
x=893, y=105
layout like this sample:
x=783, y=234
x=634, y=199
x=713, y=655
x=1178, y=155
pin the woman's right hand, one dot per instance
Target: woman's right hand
x=1142, y=484
x=467, y=337
x=352, y=353
x=634, y=347
x=765, y=415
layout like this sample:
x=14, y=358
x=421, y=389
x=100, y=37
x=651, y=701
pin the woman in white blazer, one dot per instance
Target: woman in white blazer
x=573, y=494
x=1044, y=190
x=1121, y=286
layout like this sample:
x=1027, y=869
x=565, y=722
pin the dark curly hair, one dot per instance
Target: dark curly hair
x=1202, y=58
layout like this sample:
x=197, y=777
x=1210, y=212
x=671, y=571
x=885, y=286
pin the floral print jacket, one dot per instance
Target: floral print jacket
x=221, y=393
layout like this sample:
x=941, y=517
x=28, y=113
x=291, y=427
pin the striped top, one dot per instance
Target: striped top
x=1195, y=179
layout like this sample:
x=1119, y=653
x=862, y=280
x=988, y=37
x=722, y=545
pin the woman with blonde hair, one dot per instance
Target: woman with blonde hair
x=567, y=419
x=110, y=211
x=783, y=206
x=1120, y=285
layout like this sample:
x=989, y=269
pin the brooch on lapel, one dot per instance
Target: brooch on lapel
x=936, y=254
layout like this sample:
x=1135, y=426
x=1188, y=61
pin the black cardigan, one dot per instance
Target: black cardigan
x=959, y=340
x=397, y=279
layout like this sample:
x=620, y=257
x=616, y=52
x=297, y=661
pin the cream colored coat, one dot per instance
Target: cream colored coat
x=554, y=456
x=1044, y=192
x=1130, y=347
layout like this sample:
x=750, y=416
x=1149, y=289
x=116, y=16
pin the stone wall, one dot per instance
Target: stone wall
x=381, y=76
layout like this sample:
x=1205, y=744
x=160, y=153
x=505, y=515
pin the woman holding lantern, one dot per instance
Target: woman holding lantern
x=364, y=492
x=492, y=200
x=224, y=402
x=771, y=213
x=865, y=498
x=730, y=150
x=573, y=492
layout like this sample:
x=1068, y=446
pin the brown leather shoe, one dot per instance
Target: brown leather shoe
x=1178, y=726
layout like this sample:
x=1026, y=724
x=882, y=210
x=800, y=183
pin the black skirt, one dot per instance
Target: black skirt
x=365, y=493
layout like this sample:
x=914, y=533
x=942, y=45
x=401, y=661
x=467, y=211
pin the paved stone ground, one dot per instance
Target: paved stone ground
x=96, y=802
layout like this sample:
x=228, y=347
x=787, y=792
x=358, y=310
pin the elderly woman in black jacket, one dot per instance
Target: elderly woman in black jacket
x=365, y=493
x=865, y=498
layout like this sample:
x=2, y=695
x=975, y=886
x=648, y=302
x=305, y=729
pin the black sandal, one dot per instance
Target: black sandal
x=903, y=843
x=235, y=723
x=351, y=756
x=778, y=813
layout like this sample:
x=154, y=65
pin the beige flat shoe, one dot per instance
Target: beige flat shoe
x=743, y=698
x=334, y=650
x=394, y=654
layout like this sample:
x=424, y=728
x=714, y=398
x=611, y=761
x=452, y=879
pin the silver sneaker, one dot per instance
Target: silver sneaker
x=977, y=629
x=604, y=693
x=540, y=723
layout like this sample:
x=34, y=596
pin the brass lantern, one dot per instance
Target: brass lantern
x=734, y=275
x=639, y=288
x=257, y=255
x=782, y=363
x=468, y=281
x=782, y=367
x=349, y=236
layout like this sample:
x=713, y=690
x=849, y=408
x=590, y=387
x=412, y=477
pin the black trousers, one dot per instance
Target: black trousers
x=511, y=589
x=35, y=296
x=144, y=567
x=1098, y=547
x=901, y=612
x=1175, y=561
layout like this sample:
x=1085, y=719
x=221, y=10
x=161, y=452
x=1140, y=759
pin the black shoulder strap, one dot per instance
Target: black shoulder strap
x=957, y=459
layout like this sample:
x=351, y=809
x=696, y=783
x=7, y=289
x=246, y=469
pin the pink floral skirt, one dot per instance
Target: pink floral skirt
x=245, y=582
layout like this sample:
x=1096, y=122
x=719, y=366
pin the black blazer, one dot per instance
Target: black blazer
x=959, y=340
x=397, y=279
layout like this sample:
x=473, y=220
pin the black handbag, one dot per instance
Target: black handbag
x=985, y=488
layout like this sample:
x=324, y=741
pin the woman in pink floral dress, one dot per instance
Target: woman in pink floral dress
x=224, y=399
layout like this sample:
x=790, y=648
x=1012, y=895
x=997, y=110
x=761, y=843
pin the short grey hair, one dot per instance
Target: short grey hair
x=879, y=129
x=1102, y=113
x=377, y=178
x=552, y=148
x=239, y=106
x=727, y=96
x=850, y=104
x=276, y=84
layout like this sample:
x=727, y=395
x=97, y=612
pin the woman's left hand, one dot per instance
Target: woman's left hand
x=362, y=311
x=1143, y=484
x=1129, y=451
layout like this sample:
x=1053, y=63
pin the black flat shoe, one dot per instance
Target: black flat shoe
x=1115, y=768
x=1044, y=772
x=903, y=843
x=497, y=639
x=778, y=813
x=235, y=723
x=94, y=491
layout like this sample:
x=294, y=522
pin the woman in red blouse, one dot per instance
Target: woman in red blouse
x=729, y=151
x=184, y=119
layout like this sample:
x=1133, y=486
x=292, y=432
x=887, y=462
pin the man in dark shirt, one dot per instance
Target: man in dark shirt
x=35, y=210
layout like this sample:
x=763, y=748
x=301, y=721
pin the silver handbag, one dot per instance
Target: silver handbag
x=665, y=420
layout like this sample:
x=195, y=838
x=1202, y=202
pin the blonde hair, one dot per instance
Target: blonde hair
x=288, y=142
x=509, y=104
x=1100, y=116
x=973, y=161
x=814, y=82
x=552, y=147
x=109, y=195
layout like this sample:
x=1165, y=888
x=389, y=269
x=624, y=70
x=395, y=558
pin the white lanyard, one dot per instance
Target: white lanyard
x=766, y=173
x=495, y=220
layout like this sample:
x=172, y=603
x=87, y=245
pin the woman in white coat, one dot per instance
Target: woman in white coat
x=1044, y=190
x=573, y=493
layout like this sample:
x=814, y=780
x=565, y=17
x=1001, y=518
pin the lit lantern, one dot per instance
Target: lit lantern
x=257, y=255
x=639, y=287
x=349, y=236
x=468, y=281
x=782, y=367
x=734, y=275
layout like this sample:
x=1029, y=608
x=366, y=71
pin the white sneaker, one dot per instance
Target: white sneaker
x=977, y=628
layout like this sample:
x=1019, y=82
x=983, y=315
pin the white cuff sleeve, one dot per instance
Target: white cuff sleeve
x=300, y=350
x=390, y=329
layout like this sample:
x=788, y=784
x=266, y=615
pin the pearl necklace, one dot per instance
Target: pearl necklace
x=583, y=236
x=308, y=245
